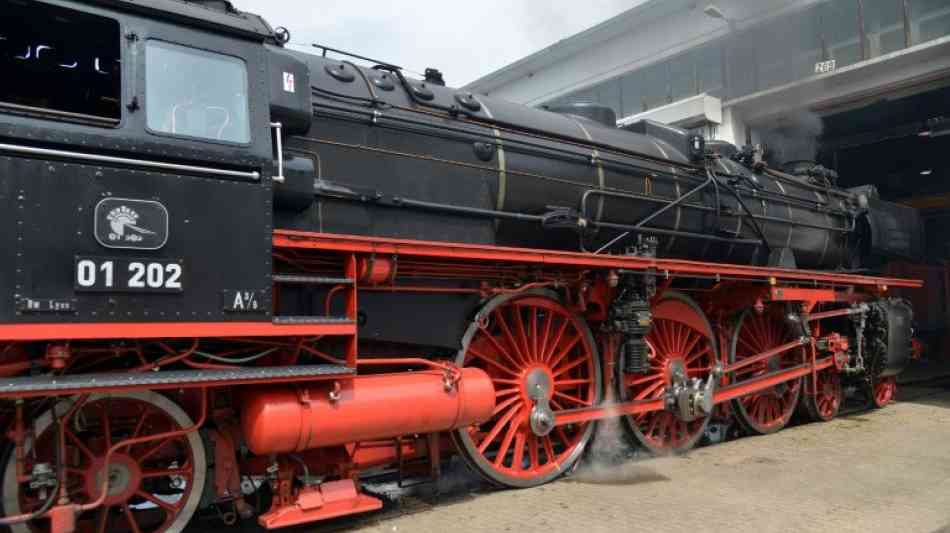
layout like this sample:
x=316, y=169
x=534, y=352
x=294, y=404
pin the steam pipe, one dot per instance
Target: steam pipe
x=396, y=201
x=655, y=214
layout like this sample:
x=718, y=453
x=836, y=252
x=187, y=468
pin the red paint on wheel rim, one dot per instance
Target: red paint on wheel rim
x=769, y=410
x=149, y=484
x=884, y=391
x=828, y=394
x=680, y=336
x=530, y=336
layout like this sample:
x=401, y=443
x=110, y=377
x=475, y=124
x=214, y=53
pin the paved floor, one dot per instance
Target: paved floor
x=885, y=471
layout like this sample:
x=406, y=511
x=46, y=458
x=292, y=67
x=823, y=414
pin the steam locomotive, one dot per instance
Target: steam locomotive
x=242, y=273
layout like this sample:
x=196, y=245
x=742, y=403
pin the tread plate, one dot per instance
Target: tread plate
x=301, y=279
x=80, y=382
x=300, y=320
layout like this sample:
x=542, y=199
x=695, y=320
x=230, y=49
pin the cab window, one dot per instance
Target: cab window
x=196, y=93
x=59, y=64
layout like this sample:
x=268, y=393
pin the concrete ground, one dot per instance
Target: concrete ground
x=869, y=471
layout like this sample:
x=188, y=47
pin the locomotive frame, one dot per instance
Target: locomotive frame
x=255, y=345
x=373, y=264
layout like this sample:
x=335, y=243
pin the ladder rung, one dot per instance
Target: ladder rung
x=300, y=320
x=299, y=279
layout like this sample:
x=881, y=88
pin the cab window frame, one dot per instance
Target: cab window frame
x=248, y=105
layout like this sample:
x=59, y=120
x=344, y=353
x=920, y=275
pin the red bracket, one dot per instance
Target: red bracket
x=323, y=502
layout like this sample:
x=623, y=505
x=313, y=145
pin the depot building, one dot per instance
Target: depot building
x=861, y=86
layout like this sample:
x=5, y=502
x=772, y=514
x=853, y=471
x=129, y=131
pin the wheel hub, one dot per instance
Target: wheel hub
x=539, y=387
x=689, y=399
x=123, y=473
x=538, y=384
x=675, y=370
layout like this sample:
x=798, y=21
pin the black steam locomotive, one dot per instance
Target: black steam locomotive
x=178, y=187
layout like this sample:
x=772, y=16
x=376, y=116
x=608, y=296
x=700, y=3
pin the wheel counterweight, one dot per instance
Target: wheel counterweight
x=542, y=359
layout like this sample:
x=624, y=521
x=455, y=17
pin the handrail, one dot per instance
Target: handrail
x=108, y=159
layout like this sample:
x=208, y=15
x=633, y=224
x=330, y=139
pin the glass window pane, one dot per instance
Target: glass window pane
x=788, y=48
x=743, y=78
x=195, y=93
x=840, y=27
x=608, y=94
x=60, y=61
x=682, y=77
x=884, y=26
x=655, y=85
x=631, y=94
x=930, y=19
x=709, y=70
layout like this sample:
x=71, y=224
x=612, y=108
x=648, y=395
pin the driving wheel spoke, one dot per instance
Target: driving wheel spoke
x=554, y=367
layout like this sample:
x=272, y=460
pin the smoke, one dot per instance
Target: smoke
x=611, y=460
x=795, y=137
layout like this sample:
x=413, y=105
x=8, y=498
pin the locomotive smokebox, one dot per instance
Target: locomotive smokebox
x=288, y=419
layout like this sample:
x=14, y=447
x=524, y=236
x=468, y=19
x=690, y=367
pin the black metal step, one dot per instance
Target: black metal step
x=301, y=320
x=73, y=384
x=300, y=279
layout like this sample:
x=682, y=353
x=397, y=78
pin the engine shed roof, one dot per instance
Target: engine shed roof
x=197, y=14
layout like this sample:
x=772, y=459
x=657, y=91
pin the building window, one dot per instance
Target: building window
x=695, y=72
x=194, y=93
x=929, y=19
x=630, y=95
x=682, y=77
x=883, y=26
x=654, y=85
x=59, y=63
x=743, y=71
x=709, y=75
x=608, y=94
x=781, y=51
x=787, y=48
x=840, y=26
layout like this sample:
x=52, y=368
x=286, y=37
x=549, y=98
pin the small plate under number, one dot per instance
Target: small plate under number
x=103, y=274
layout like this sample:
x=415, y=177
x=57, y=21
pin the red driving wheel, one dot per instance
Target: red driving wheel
x=769, y=410
x=681, y=337
x=153, y=487
x=542, y=359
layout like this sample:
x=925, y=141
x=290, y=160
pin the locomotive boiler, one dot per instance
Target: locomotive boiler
x=242, y=280
x=415, y=159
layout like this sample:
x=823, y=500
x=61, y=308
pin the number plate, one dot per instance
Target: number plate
x=113, y=274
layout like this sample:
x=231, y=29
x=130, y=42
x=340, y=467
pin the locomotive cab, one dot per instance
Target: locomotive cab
x=136, y=160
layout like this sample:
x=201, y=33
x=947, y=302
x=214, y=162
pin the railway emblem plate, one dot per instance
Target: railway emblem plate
x=127, y=223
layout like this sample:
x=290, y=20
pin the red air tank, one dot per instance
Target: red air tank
x=290, y=419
